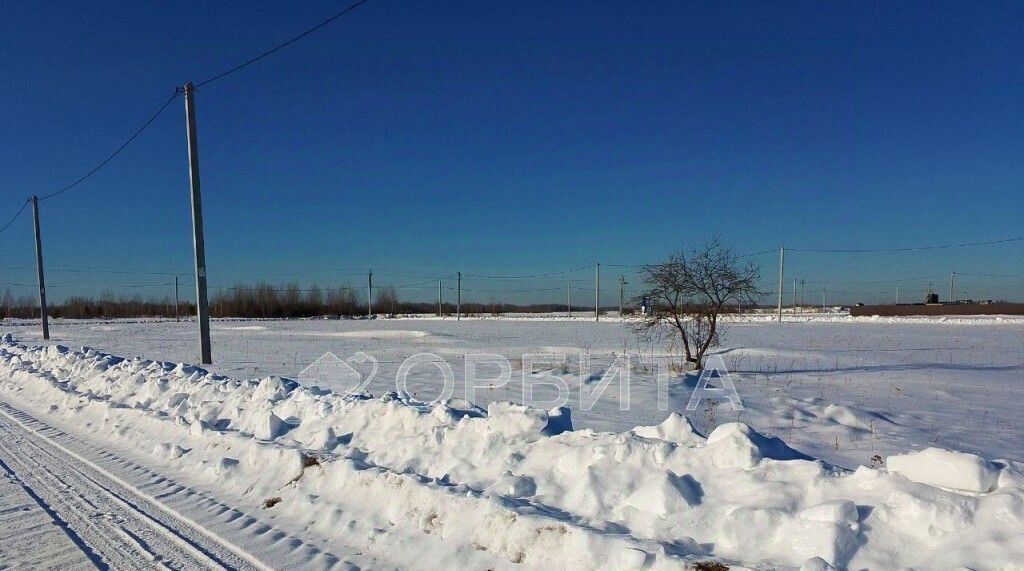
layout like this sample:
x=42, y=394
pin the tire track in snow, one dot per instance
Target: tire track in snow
x=34, y=536
x=117, y=526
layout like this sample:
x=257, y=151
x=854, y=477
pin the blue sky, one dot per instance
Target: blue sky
x=423, y=138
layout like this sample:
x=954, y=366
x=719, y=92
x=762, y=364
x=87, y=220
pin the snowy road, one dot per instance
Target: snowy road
x=105, y=523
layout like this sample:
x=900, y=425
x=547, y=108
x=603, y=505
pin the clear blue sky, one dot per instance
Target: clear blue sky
x=518, y=137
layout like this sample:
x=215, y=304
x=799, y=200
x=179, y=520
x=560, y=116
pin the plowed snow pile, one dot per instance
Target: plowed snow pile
x=459, y=486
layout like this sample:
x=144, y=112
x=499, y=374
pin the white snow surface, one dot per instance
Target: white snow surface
x=395, y=482
x=946, y=468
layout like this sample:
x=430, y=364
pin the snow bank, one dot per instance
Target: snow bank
x=946, y=469
x=519, y=484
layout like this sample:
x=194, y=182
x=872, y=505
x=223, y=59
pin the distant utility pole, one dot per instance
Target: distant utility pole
x=782, y=271
x=951, y=274
x=794, y=295
x=199, y=244
x=801, y=291
x=369, y=294
x=622, y=292
x=597, y=292
x=568, y=297
x=458, y=299
x=176, y=298
x=43, y=316
x=439, y=313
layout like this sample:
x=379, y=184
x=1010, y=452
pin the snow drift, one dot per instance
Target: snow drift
x=519, y=485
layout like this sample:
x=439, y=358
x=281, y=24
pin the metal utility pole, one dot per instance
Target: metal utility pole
x=951, y=274
x=369, y=294
x=794, y=295
x=43, y=315
x=198, y=242
x=568, y=297
x=782, y=266
x=622, y=292
x=439, y=313
x=597, y=293
x=801, y=291
x=176, y=298
x=458, y=299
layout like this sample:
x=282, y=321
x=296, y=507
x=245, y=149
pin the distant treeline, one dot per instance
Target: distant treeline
x=105, y=306
x=264, y=300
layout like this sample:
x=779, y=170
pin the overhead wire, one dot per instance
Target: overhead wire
x=178, y=92
x=116, y=152
x=15, y=217
x=906, y=249
x=280, y=46
x=528, y=276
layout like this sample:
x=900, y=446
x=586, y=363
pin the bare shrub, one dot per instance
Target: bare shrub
x=689, y=292
x=387, y=301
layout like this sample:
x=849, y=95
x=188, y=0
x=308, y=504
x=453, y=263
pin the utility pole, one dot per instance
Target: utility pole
x=951, y=274
x=176, y=298
x=568, y=297
x=794, y=295
x=801, y=291
x=369, y=294
x=458, y=299
x=782, y=271
x=43, y=315
x=597, y=293
x=198, y=242
x=622, y=292
x=439, y=313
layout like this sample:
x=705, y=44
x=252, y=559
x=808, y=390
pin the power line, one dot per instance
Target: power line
x=562, y=272
x=892, y=281
x=991, y=275
x=266, y=287
x=908, y=249
x=25, y=285
x=100, y=271
x=761, y=253
x=115, y=153
x=430, y=282
x=283, y=45
x=464, y=290
x=15, y=217
x=87, y=286
x=177, y=92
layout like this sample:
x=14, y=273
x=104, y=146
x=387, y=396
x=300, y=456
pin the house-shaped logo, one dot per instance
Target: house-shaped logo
x=332, y=372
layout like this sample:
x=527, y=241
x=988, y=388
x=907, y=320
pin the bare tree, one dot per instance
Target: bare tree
x=387, y=300
x=7, y=304
x=314, y=303
x=688, y=292
x=342, y=300
x=497, y=308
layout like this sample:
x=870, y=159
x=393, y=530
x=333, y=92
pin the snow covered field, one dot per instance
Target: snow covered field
x=300, y=476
